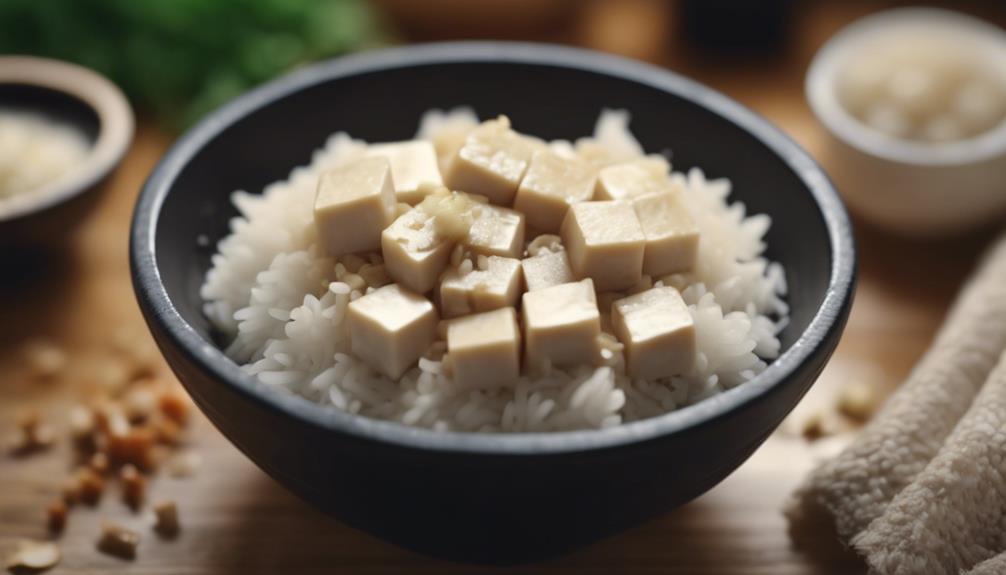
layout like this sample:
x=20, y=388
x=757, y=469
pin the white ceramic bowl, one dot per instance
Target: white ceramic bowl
x=910, y=187
x=79, y=97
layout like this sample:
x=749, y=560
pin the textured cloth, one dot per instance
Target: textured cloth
x=851, y=490
x=953, y=515
x=993, y=566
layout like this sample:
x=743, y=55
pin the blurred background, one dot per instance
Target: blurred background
x=74, y=318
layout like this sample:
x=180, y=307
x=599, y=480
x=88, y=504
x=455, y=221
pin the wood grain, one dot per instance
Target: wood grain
x=237, y=520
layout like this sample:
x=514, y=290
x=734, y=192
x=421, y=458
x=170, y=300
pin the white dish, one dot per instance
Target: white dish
x=911, y=187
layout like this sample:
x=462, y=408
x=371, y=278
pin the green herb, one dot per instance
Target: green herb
x=179, y=59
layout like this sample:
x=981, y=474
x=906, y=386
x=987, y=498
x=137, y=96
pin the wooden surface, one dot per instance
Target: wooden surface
x=237, y=520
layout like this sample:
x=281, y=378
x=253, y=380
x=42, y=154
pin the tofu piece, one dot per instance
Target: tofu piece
x=412, y=163
x=561, y=325
x=550, y=185
x=657, y=331
x=546, y=269
x=491, y=163
x=483, y=350
x=391, y=328
x=353, y=205
x=497, y=286
x=605, y=243
x=414, y=253
x=629, y=180
x=496, y=231
x=672, y=238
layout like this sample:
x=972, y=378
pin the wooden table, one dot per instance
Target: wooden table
x=237, y=520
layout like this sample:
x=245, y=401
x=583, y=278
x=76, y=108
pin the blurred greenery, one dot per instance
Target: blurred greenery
x=179, y=59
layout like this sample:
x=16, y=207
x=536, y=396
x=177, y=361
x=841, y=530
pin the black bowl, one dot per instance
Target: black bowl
x=74, y=96
x=476, y=497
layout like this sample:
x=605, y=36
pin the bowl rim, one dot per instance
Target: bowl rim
x=115, y=128
x=820, y=87
x=159, y=308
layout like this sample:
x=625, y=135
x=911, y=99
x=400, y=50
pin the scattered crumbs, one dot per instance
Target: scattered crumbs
x=185, y=464
x=118, y=541
x=166, y=519
x=813, y=427
x=858, y=401
x=44, y=359
x=90, y=486
x=55, y=516
x=31, y=435
x=134, y=486
x=34, y=557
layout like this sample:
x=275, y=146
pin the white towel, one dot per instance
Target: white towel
x=851, y=490
x=953, y=515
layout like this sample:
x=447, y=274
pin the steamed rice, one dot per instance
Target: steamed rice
x=282, y=305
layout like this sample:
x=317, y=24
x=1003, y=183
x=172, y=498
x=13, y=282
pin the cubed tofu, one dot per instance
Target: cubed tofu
x=491, y=163
x=483, y=350
x=496, y=231
x=550, y=185
x=391, y=328
x=561, y=325
x=414, y=253
x=672, y=238
x=547, y=269
x=353, y=205
x=605, y=243
x=630, y=180
x=499, y=285
x=657, y=331
x=412, y=163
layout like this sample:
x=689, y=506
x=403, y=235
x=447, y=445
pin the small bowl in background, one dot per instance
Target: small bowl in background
x=73, y=95
x=911, y=187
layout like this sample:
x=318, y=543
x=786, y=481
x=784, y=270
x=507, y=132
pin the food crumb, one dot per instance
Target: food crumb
x=134, y=486
x=118, y=541
x=56, y=516
x=174, y=405
x=813, y=427
x=98, y=463
x=184, y=464
x=90, y=485
x=34, y=557
x=858, y=401
x=166, y=519
x=45, y=359
x=31, y=435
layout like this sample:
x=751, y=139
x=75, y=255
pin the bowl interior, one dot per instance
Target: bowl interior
x=264, y=142
x=53, y=104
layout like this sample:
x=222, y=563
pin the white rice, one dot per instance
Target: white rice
x=283, y=305
x=36, y=151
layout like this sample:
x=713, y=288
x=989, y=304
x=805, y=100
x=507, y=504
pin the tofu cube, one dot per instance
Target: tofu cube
x=657, y=331
x=561, y=325
x=391, y=328
x=354, y=203
x=414, y=253
x=546, y=269
x=483, y=350
x=605, y=243
x=629, y=180
x=412, y=163
x=496, y=231
x=491, y=163
x=497, y=286
x=672, y=238
x=550, y=185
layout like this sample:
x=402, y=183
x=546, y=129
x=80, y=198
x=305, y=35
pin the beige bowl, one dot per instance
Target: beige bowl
x=911, y=187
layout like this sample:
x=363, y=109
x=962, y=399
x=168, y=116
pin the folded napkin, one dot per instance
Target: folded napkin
x=879, y=492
